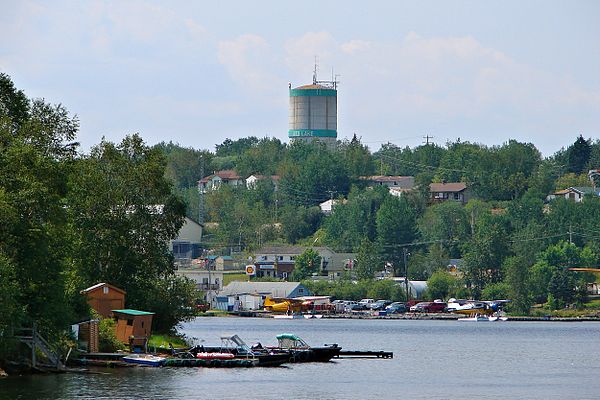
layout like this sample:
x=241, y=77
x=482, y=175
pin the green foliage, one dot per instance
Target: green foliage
x=448, y=223
x=578, y=155
x=107, y=336
x=442, y=285
x=498, y=290
x=368, y=260
x=306, y=264
x=517, y=279
x=396, y=226
x=385, y=289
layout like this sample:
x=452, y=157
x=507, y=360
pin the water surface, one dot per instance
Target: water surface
x=432, y=360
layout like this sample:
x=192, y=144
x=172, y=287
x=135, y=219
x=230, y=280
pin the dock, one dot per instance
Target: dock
x=364, y=354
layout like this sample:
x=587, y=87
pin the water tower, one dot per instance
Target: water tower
x=313, y=112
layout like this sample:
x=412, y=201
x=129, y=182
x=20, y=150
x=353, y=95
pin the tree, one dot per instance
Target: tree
x=368, y=261
x=578, y=155
x=517, y=280
x=306, y=264
x=447, y=223
x=123, y=214
x=442, y=285
x=485, y=253
x=396, y=226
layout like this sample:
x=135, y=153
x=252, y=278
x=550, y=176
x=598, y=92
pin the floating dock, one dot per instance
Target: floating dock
x=364, y=354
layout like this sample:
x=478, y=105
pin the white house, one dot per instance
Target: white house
x=574, y=193
x=214, y=181
x=252, y=180
x=208, y=281
x=328, y=206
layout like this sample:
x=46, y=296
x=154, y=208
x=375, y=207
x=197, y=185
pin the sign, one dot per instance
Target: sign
x=250, y=270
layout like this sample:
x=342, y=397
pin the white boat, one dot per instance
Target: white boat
x=290, y=316
x=145, y=359
x=477, y=318
x=313, y=316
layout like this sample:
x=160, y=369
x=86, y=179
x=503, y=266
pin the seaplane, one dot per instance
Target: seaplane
x=293, y=308
x=478, y=310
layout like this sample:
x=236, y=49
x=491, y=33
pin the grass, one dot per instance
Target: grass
x=164, y=340
x=228, y=278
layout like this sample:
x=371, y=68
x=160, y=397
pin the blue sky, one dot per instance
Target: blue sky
x=198, y=72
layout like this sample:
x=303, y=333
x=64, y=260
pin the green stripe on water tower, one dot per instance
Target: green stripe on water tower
x=313, y=92
x=293, y=133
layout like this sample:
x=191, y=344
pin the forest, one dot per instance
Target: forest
x=512, y=242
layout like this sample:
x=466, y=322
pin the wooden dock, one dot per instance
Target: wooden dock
x=364, y=354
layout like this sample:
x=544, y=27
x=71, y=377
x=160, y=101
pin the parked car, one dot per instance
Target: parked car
x=359, y=307
x=380, y=305
x=429, y=307
x=396, y=308
x=367, y=302
x=348, y=305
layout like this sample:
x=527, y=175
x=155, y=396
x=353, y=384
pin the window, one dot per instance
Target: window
x=142, y=324
x=129, y=322
x=292, y=258
x=280, y=258
x=300, y=290
x=105, y=290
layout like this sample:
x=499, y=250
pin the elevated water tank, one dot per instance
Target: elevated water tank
x=313, y=113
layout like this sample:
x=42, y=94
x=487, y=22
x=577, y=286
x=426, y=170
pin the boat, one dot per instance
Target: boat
x=476, y=318
x=313, y=316
x=214, y=356
x=145, y=359
x=300, y=351
x=264, y=357
x=289, y=316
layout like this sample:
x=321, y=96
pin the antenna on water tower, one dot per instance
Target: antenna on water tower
x=315, y=71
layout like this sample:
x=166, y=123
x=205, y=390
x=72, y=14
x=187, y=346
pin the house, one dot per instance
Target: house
x=328, y=206
x=186, y=246
x=454, y=191
x=278, y=261
x=396, y=182
x=207, y=280
x=219, y=263
x=574, y=193
x=238, y=296
x=133, y=327
x=104, y=297
x=252, y=180
x=214, y=181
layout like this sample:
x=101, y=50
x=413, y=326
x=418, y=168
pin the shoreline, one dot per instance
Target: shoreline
x=430, y=316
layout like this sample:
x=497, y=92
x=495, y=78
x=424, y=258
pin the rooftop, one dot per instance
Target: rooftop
x=447, y=187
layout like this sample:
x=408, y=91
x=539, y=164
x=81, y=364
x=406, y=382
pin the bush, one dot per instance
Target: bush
x=108, y=337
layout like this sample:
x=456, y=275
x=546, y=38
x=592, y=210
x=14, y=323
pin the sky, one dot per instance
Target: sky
x=196, y=73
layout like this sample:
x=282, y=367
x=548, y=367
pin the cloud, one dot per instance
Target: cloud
x=252, y=64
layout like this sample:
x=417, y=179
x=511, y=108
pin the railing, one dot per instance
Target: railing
x=32, y=338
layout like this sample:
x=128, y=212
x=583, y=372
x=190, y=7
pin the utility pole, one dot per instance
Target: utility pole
x=427, y=137
x=201, y=200
x=570, y=233
x=406, y=275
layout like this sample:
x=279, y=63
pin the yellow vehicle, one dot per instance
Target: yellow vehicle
x=284, y=305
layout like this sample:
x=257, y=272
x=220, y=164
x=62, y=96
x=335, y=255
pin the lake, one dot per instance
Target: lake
x=432, y=360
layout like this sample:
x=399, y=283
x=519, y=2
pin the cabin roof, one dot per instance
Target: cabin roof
x=129, y=311
x=102, y=284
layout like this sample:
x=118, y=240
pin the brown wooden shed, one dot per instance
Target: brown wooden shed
x=104, y=297
x=134, y=327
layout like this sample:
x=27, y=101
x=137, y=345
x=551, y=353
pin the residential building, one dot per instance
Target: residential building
x=186, y=246
x=252, y=180
x=454, y=191
x=575, y=193
x=392, y=182
x=239, y=296
x=278, y=261
x=214, y=181
x=328, y=206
